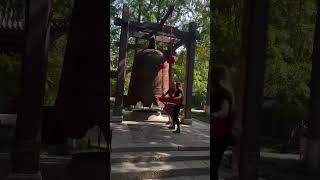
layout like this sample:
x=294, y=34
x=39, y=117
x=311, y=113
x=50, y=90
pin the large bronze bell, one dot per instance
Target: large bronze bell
x=149, y=78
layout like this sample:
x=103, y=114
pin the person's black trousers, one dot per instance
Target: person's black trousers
x=175, y=116
x=217, y=149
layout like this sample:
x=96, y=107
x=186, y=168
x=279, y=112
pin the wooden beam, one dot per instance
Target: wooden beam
x=149, y=34
x=167, y=39
x=25, y=154
x=191, y=48
x=133, y=46
x=254, y=57
x=177, y=45
x=139, y=35
x=158, y=30
x=117, y=111
x=153, y=27
x=145, y=36
x=12, y=36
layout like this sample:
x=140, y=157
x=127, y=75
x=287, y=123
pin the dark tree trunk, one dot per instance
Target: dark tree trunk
x=254, y=56
x=82, y=97
x=314, y=116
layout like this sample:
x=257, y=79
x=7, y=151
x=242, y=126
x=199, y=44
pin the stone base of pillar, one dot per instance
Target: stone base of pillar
x=313, y=156
x=186, y=121
x=20, y=176
x=116, y=119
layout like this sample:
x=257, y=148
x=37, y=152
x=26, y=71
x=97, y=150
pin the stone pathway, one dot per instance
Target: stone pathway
x=156, y=135
x=147, y=148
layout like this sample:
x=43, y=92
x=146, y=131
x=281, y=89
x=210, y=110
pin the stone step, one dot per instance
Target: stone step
x=133, y=157
x=201, y=177
x=159, y=169
x=155, y=148
x=4, y=165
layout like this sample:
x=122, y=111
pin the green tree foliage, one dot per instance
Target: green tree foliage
x=289, y=48
x=55, y=62
x=226, y=20
x=10, y=65
x=289, y=45
x=290, y=41
x=62, y=8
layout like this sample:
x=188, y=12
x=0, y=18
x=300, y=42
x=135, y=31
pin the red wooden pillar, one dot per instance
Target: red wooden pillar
x=25, y=155
x=191, y=48
x=117, y=111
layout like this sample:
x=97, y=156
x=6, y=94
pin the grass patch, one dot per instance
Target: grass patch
x=272, y=169
x=278, y=146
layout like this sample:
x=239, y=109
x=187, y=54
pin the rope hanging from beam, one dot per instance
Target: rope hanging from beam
x=169, y=59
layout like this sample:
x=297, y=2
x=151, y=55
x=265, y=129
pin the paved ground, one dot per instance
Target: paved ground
x=132, y=134
x=148, y=138
x=152, y=135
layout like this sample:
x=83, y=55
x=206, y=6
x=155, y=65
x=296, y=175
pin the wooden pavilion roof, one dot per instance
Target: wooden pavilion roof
x=12, y=26
x=12, y=33
x=146, y=30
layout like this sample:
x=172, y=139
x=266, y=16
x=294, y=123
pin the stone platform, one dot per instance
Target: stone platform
x=154, y=135
x=144, y=148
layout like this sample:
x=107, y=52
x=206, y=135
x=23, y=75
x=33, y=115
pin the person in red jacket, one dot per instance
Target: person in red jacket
x=178, y=95
x=220, y=120
x=169, y=107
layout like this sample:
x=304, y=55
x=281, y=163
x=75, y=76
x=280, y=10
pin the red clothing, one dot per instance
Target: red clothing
x=170, y=91
x=219, y=128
